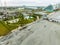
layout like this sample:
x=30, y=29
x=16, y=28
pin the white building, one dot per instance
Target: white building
x=56, y=6
x=13, y=21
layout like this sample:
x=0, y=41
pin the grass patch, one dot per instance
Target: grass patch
x=3, y=29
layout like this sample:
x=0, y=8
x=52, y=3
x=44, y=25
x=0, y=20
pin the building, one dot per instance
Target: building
x=49, y=8
x=13, y=21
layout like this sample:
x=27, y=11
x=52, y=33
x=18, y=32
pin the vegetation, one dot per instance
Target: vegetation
x=3, y=28
x=6, y=28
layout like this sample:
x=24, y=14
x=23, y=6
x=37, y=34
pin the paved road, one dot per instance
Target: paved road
x=40, y=33
x=46, y=33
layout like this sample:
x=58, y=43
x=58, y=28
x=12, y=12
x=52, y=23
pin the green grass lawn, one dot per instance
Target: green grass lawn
x=3, y=29
x=6, y=28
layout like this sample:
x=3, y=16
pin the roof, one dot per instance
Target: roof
x=41, y=13
x=49, y=8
